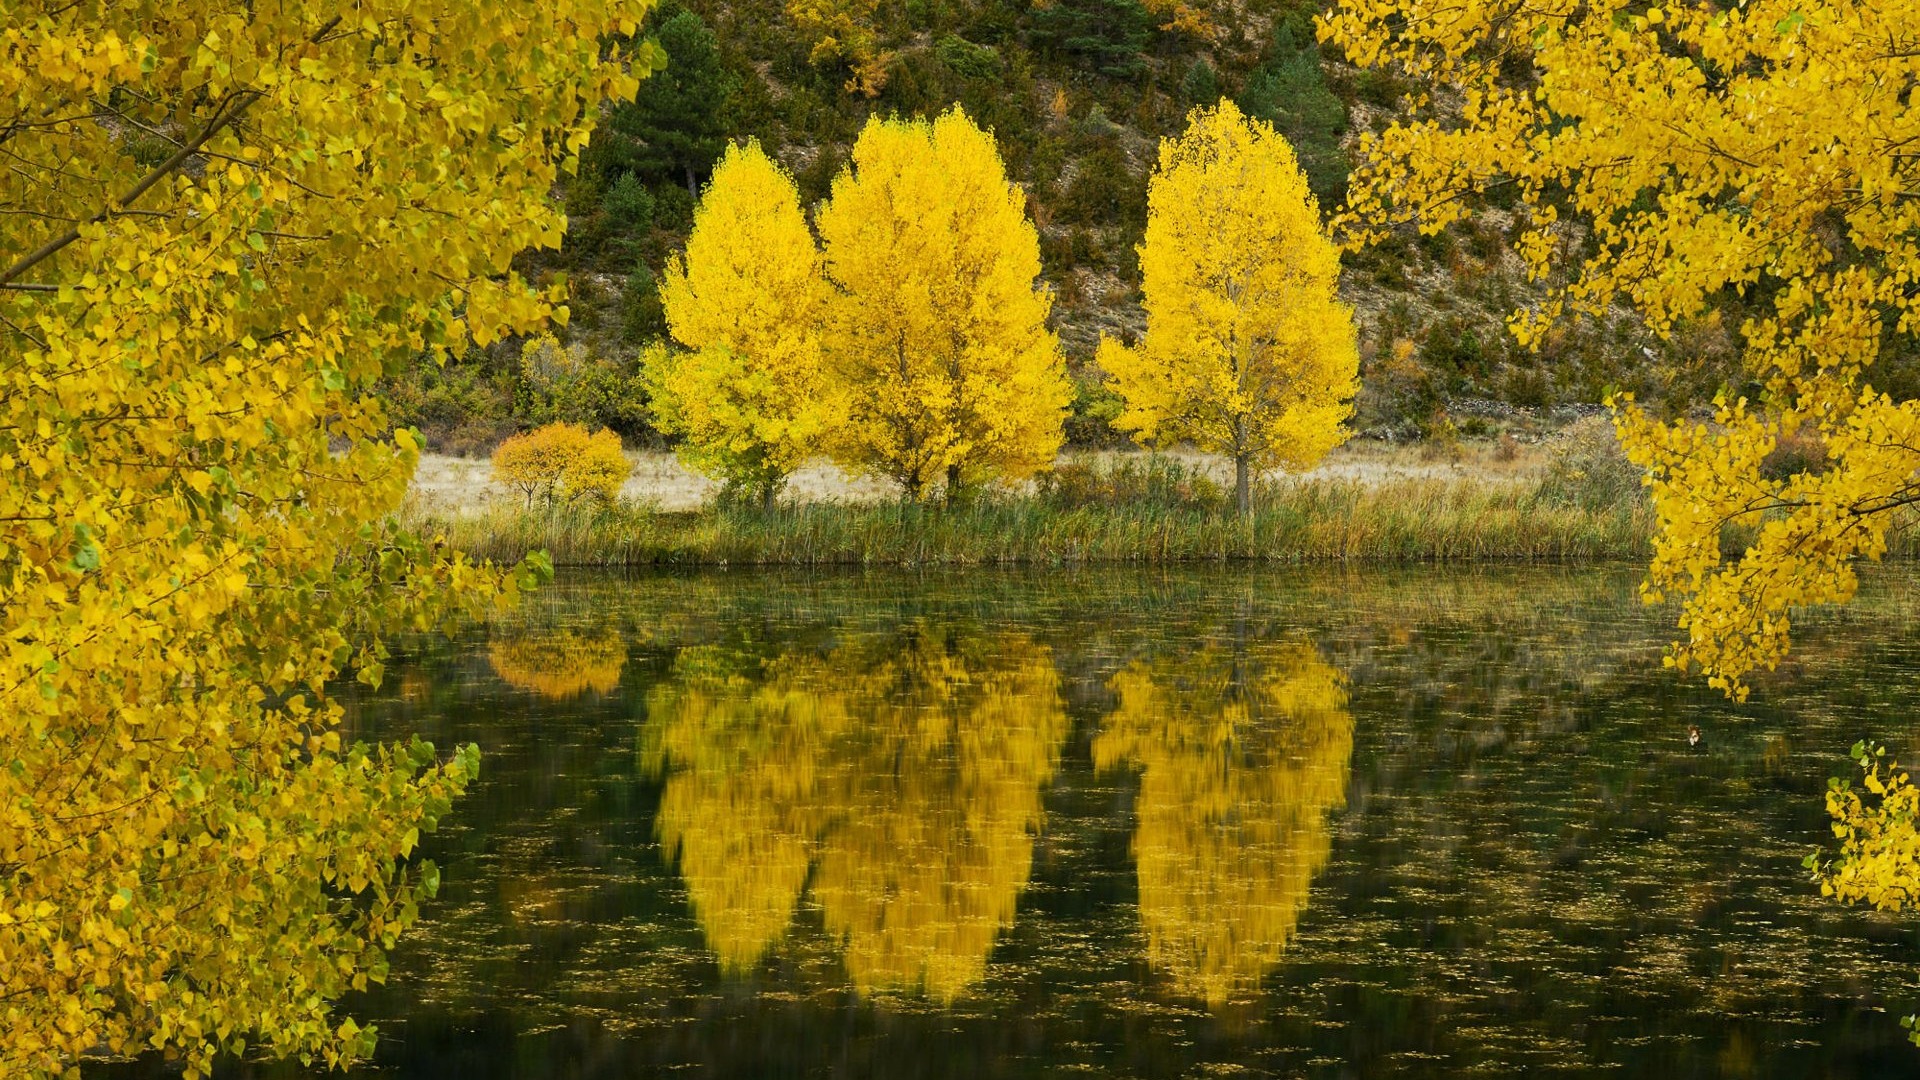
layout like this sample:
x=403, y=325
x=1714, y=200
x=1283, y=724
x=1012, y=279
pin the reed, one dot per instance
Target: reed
x=1325, y=521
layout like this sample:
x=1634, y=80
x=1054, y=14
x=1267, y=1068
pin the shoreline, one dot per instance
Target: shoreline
x=1320, y=521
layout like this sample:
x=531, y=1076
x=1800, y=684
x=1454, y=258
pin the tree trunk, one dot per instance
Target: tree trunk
x=953, y=486
x=767, y=490
x=692, y=188
x=1242, y=486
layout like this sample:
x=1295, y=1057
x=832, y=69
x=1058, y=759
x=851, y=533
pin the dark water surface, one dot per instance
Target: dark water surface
x=1122, y=823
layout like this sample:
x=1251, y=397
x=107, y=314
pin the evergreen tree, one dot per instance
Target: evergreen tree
x=1201, y=85
x=1107, y=35
x=676, y=127
x=1290, y=93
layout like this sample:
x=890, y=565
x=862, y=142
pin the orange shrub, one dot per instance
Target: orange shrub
x=562, y=460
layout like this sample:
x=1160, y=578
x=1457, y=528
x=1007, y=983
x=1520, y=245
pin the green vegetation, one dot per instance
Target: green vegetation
x=1157, y=512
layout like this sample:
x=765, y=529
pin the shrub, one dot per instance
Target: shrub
x=571, y=384
x=562, y=461
x=1149, y=481
x=629, y=204
x=966, y=59
x=1588, y=468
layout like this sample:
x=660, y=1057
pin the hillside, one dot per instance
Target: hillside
x=1078, y=93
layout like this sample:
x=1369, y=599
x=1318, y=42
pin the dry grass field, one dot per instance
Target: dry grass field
x=458, y=485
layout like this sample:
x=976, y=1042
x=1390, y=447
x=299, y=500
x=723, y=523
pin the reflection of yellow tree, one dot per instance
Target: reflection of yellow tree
x=559, y=664
x=1243, y=752
x=904, y=774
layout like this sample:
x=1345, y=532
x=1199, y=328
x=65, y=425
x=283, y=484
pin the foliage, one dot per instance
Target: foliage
x=1243, y=749
x=843, y=33
x=935, y=326
x=899, y=777
x=195, y=481
x=1290, y=92
x=573, y=384
x=1248, y=350
x=629, y=204
x=562, y=461
x=1739, y=157
x=1588, y=468
x=1107, y=36
x=676, y=125
x=1201, y=84
x=966, y=59
x=749, y=400
x=1879, y=858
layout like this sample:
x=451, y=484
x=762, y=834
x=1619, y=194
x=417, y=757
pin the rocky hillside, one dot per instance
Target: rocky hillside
x=1078, y=93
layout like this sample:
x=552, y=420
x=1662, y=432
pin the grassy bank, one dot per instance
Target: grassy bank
x=1409, y=520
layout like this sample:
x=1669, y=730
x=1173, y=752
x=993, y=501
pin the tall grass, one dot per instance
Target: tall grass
x=1409, y=520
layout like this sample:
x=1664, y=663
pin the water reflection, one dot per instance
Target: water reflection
x=902, y=773
x=558, y=664
x=1243, y=750
x=1532, y=874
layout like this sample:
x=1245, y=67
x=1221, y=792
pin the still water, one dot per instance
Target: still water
x=1125, y=823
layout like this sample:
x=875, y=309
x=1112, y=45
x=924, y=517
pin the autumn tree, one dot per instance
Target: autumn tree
x=225, y=221
x=1248, y=351
x=562, y=461
x=1694, y=161
x=750, y=399
x=843, y=32
x=1243, y=751
x=936, y=323
x=899, y=777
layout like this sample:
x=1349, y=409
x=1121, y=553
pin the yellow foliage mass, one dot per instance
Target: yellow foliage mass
x=747, y=297
x=1707, y=156
x=843, y=31
x=562, y=460
x=225, y=220
x=936, y=323
x=1243, y=751
x=903, y=777
x=1248, y=350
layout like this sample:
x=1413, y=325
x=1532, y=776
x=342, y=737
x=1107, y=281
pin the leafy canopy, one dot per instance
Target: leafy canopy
x=935, y=321
x=226, y=220
x=747, y=298
x=1703, y=157
x=562, y=461
x=1248, y=350
x=1687, y=159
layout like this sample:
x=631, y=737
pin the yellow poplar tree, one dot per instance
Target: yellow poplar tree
x=1248, y=352
x=225, y=220
x=936, y=326
x=1749, y=158
x=749, y=399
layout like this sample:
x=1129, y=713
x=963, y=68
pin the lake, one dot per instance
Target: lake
x=1140, y=823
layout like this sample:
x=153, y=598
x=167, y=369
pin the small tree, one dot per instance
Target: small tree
x=936, y=327
x=746, y=298
x=1248, y=352
x=562, y=461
